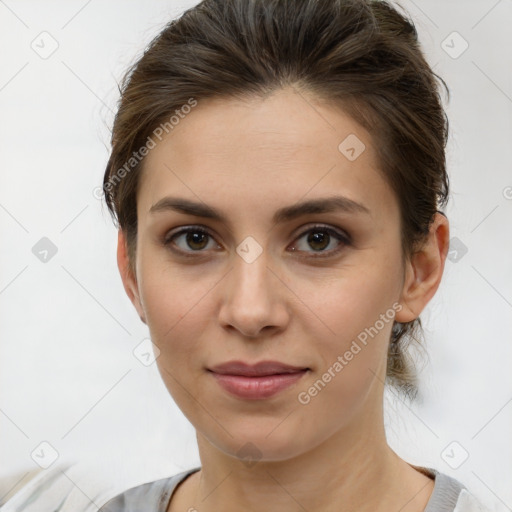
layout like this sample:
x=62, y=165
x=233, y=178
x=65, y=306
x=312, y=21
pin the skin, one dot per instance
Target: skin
x=248, y=158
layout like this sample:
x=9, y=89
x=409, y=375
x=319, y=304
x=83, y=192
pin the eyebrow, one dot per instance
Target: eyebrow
x=285, y=214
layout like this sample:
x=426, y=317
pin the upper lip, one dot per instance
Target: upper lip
x=255, y=370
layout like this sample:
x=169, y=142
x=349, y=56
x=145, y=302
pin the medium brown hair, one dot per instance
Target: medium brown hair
x=361, y=55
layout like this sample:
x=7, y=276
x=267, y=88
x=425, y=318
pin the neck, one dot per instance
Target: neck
x=354, y=469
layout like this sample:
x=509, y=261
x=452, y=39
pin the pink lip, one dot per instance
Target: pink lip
x=261, y=380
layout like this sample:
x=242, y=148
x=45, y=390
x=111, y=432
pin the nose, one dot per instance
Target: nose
x=254, y=298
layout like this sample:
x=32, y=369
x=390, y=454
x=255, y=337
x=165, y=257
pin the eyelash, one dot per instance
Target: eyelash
x=341, y=237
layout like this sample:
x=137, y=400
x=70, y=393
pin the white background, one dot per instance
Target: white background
x=67, y=372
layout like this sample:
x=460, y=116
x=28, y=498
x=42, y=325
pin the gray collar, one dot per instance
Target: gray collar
x=445, y=494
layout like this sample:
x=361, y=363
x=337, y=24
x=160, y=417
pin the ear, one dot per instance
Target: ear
x=424, y=271
x=127, y=276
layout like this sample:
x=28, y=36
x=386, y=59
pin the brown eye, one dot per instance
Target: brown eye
x=319, y=239
x=189, y=240
x=196, y=240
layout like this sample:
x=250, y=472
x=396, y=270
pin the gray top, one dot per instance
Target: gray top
x=449, y=495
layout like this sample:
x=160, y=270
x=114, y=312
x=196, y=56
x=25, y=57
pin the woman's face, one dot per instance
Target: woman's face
x=270, y=281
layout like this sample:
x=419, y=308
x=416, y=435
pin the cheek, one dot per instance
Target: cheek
x=352, y=361
x=345, y=302
x=175, y=301
x=177, y=318
x=354, y=312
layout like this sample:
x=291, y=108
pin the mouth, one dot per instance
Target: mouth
x=258, y=381
x=263, y=368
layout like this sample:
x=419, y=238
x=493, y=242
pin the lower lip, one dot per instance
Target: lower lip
x=257, y=387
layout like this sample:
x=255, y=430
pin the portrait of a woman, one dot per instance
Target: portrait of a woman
x=278, y=180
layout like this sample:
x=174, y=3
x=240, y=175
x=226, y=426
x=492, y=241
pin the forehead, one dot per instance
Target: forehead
x=263, y=153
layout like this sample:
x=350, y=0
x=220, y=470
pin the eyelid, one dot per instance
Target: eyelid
x=184, y=229
x=342, y=236
x=330, y=229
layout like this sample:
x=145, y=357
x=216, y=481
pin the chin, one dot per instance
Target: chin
x=263, y=444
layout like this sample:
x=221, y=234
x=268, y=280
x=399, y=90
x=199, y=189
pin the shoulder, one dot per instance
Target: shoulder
x=59, y=488
x=468, y=503
x=80, y=488
x=450, y=495
x=151, y=496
